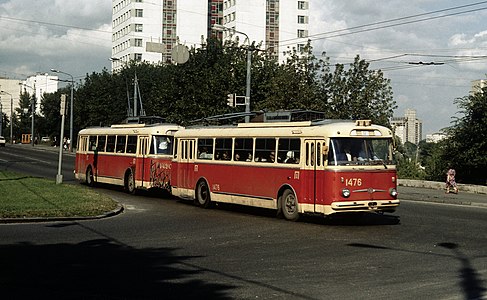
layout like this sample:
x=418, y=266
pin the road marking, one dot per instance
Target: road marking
x=30, y=158
x=133, y=208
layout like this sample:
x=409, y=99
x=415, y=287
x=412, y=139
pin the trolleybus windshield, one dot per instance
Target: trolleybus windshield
x=362, y=151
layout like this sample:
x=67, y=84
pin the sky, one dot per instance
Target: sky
x=431, y=50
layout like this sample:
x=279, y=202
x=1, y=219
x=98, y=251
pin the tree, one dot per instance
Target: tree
x=198, y=88
x=360, y=93
x=466, y=148
x=23, y=125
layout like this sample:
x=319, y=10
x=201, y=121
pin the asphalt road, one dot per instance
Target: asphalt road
x=163, y=248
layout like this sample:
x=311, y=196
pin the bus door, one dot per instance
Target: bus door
x=81, y=158
x=142, y=164
x=187, y=167
x=313, y=173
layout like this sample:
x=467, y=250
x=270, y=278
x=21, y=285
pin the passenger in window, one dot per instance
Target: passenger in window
x=237, y=157
x=163, y=146
x=225, y=156
x=272, y=156
x=204, y=153
x=249, y=157
x=290, y=158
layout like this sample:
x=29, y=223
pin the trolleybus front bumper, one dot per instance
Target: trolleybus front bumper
x=375, y=205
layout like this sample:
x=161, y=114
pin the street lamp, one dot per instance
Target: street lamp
x=249, y=63
x=70, y=109
x=11, y=114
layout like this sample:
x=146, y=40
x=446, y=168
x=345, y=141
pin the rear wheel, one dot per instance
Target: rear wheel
x=203, y=194
x=289, y=205
x=130, y=182
x=90, y=181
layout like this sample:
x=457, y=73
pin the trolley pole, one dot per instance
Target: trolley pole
x=59, y=176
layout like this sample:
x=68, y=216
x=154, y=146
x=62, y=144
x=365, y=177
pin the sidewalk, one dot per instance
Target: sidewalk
x=432, y=191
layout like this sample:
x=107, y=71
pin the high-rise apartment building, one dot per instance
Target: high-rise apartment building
x=148, y=31
x=408, y=128
x=279, y=25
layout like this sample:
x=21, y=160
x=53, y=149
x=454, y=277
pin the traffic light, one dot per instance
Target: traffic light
x=231, y=100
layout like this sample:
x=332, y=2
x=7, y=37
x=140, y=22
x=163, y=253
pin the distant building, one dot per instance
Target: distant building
x=149, y=30
x=408, y=128
x=10, y=95
x=435, y=137
x=12, y=88
x=39, y=85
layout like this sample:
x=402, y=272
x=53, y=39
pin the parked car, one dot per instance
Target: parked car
x=2, y=141
x=45, y=139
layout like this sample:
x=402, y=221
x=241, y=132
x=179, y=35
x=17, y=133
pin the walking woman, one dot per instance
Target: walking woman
x=450, y=181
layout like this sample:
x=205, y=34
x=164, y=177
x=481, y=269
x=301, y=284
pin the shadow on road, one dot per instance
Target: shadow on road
x=99, y=269
x=470, y=282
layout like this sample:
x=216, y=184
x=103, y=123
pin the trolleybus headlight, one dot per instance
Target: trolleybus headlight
x=346, y=193
x=393, y=192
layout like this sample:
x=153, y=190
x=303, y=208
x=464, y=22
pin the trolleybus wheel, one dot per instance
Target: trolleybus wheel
x=289, y=205
x=90, y=181
x=203, y=194
x=130, y=182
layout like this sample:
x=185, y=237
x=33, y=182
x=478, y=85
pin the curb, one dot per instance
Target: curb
x=453, y=202
x=477, y=189
x=118, y=210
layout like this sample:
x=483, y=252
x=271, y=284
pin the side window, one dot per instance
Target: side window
x=92, y=143
x=110, y=143
x=184, y=145
x=289, y=151
x=83, y=143
x=191, y=149
x=161, y=144
x=223, y=149
x=243, y=149
x=205, y=148
x=265, y=150
x=102, y=139
x=131, y=144
x=121, y=139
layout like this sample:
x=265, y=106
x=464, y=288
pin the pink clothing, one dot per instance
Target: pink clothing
x=450, y=178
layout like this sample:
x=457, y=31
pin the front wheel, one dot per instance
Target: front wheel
x=289, y=205
x=203, y=194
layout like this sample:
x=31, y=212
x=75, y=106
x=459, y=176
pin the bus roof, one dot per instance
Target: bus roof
x=324, y=128
x=158, y=129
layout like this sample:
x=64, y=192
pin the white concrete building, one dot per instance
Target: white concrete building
x=148, y=31
x=12, y=88
x=279, y=25
x=39, y=85
x=11, y=94
x=408, y=128
x=435, y=137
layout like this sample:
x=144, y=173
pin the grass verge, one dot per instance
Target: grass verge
x=31, y=197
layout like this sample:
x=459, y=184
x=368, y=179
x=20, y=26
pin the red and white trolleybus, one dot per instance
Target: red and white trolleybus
x=132, y=155
x=323, y=167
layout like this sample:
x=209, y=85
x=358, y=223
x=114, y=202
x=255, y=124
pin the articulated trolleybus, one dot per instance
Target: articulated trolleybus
x=323, y=167
x=136, y=156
